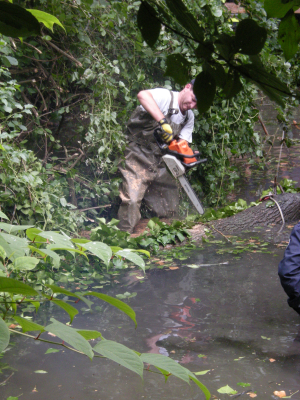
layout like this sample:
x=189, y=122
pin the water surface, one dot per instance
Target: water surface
x=231, y=319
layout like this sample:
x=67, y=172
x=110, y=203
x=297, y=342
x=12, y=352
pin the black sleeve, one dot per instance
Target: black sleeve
x=289, y=269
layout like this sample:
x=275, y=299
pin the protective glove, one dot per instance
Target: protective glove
x=166, y=133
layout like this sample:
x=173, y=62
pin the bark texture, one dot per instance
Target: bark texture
x=262, y=215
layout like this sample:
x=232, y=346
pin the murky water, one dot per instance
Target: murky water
x=231, y=319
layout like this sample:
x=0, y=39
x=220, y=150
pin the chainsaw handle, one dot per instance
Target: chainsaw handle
x=191, y=165
x=181, y=155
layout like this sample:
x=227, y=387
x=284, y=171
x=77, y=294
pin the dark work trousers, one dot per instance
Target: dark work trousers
x=289, y=269
x=145, y=178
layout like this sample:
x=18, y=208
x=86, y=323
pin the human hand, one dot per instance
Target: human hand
x=166, y=133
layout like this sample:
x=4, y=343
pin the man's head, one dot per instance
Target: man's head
x=186, y=98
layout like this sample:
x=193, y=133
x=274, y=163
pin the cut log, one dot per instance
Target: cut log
x=262, y=215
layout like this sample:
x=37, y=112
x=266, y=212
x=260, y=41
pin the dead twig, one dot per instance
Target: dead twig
x=4, y=382
x=40, y=93
x=279, y=159
x=211, y=226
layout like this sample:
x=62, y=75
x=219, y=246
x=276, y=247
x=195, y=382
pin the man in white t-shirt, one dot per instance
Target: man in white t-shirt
x=145, y=177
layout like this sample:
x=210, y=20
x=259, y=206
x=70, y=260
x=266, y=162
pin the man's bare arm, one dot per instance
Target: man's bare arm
x=147, y=101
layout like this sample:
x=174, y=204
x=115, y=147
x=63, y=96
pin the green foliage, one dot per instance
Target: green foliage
x=156, y=234
x=62, y=125
x=224, y=212
x=161, y=233
x=225, y=48
x=14, y=294
x=51, y=248
x=288, y=185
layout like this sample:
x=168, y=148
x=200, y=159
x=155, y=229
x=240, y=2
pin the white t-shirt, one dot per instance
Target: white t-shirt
x=162, y=98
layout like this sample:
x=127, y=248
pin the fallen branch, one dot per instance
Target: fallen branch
x=90, y=208
x=64, y=53
x=263, y=126
x=30, y=45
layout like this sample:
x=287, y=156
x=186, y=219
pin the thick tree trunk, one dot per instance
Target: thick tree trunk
x=261, y=215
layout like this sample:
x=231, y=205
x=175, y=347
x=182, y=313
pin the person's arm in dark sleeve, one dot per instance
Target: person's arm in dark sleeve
x=289, y=269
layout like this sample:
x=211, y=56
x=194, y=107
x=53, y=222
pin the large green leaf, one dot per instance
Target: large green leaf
x=10, y=285
x=250, y=37
x=148, y=23
x=266, y=81
x=226, y=46
x=204, y=89
x=178, y=68
x=3, y=254
x=2, y=215
x=167, y=364
x=13, y=228
x=59, y=239
x=233, y=84
x=71, y=336
x=146, y=252
x=28, y=325
x=121, y=355
x=26, y=263
x=186, y=19
x=125, y=308
x=131, y=256
x=33, y=235
x=218, y=72
x=15, y=21
x=79, y=240
x=69, y=249
x=46, y=252
x=47, y=19
x=101, y=250
x=18, y=246
x=201, y=386
x=289, y=35
x=278, y=8
x=65, y=306
x=204, y=50
x=4, y=335
x=89, y=335
x=57, y=289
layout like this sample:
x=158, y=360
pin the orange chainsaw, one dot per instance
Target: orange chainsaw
x=179, y=157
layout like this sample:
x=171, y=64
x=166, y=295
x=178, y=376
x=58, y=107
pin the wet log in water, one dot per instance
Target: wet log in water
x=261, y=215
